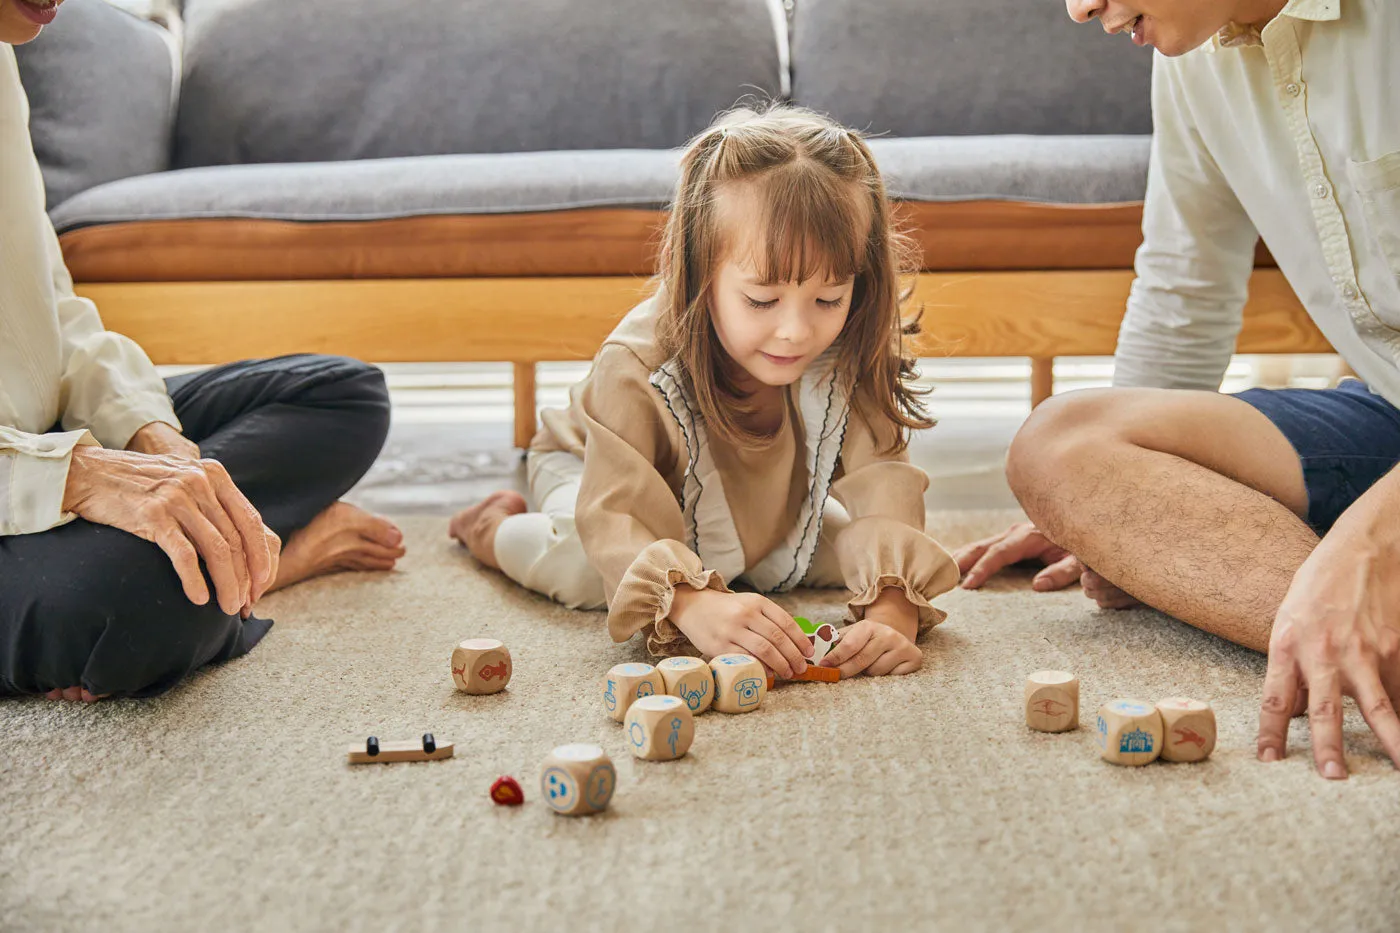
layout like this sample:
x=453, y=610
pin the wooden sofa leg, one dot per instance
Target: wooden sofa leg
x=524, y=404
x=1042, y=379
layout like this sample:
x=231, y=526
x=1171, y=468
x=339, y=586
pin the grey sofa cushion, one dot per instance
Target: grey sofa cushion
x=101, y=86
x=1070, y=170
x=967, y=67
x=320, y=80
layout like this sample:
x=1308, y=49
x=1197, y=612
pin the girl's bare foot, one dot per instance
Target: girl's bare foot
x=343, y=537
x=475, y=526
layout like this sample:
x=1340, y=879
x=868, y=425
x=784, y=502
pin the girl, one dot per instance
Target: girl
x=745, y=424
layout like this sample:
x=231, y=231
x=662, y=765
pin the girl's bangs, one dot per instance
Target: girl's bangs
x=810, y=227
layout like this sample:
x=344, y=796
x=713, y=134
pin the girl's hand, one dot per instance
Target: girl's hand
x=870, y=647
x=747, y=623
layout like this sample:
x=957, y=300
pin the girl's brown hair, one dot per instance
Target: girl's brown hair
x=824, y=212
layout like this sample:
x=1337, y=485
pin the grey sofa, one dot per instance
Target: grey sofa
x=478, y=179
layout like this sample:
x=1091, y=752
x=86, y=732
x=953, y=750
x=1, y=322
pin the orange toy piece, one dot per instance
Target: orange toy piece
x=826, y=675
x=506, y=791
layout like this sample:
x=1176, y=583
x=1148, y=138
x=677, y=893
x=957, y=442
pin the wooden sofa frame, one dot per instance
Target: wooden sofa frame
x=524, y=321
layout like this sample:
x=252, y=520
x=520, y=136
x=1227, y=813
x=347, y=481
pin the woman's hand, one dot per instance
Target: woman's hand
x=747, y=623
x=871, y=647
x=189, y=508
x=159, y=438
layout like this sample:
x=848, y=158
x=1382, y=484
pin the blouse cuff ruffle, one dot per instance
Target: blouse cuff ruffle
x=929, y=615
x=879, y=552
x=643, y=599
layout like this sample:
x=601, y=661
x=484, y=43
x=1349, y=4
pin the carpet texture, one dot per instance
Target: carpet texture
x=917, y=802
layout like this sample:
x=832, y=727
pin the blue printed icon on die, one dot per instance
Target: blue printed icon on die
x=691, y=680
x=660, y=728
x=741, y=683
x=1129, y=732
x=625, y=683
x=577, y=780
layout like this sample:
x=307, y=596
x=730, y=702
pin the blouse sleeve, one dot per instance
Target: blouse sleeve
x=34, y=477
x=628, y=516
x=109, y=386
x=885, y=543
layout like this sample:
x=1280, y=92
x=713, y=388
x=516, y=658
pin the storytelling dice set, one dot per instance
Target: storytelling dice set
x=1128, y=732
x=656, y=705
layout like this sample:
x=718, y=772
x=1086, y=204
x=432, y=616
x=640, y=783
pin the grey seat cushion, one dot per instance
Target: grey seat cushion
x=101, y=86
x=1067, y=170
x=323, y=80
x=967, y=67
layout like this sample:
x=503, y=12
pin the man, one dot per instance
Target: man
x=1271, y=518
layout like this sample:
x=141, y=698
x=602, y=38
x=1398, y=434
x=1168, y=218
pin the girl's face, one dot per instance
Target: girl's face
x=774, y=330
x=21, y=20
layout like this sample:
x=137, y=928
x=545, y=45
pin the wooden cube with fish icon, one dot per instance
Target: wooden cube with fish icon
x=659, y=728
x=1190, y=729
x=481, y=665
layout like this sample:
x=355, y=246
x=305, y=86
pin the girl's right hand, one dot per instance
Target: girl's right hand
x=746, y=623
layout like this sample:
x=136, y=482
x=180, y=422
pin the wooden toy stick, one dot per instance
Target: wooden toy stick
x=826, y=675
x=406, y=750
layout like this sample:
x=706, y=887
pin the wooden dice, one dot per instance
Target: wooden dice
x=659, y=728
x=627, y=683
x=741, y=683
x=1129, y=732
x=481, y=665
x=691, y=680
x=1189, y=729
x=576, y=780
x=1052, y=701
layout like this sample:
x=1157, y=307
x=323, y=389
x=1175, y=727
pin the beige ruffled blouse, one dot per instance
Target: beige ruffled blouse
x=662, y=503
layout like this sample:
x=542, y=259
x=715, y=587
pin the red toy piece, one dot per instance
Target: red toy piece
x=506, y=792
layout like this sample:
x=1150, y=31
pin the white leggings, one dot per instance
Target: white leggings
x=541, y=549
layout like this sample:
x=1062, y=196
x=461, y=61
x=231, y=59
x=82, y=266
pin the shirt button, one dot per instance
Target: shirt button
x=1293, y=88
x=1319, y=191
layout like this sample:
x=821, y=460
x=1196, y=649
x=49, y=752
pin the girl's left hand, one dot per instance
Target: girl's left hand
x=870, y=647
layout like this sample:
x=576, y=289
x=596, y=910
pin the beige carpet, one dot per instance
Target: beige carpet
x=896, y=803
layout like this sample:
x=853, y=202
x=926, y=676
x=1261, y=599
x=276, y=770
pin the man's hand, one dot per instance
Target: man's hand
x=189, y=508
x=983, y=559
x=1337, y=632
x=870, y=647
x=159, y=438
x=747, y=623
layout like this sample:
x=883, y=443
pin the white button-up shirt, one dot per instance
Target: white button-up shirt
x=1293, y=134
x=57, y=363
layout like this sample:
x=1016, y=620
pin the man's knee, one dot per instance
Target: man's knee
x=1060, y=437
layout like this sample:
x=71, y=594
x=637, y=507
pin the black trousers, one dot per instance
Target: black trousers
x=89, y=605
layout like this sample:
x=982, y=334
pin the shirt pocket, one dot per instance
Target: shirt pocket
x=1377, y=183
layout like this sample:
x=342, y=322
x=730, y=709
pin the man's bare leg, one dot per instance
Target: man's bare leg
x=1189, y=501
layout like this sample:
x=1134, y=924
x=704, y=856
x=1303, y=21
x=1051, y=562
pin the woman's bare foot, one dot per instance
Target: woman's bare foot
x=475, y=526
x=73, y=693
x=343, y=537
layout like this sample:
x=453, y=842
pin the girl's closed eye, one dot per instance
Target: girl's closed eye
x=760, y=305
x=832, y=303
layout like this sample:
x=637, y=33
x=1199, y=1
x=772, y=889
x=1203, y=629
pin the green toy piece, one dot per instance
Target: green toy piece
x=808, y=627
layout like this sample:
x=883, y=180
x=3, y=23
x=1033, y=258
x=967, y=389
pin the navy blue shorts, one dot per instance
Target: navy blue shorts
x=1347, y=438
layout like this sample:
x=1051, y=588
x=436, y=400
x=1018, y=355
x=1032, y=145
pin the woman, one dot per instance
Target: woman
x=114, y=486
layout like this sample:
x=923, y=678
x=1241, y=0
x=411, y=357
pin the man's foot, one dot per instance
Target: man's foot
x=73, y=693
x=475, y=527
x=343, y=537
